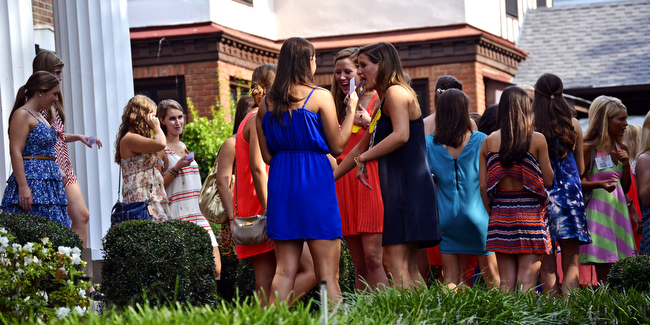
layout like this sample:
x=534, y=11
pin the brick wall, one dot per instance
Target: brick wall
x=42, y=12
x=202, y=80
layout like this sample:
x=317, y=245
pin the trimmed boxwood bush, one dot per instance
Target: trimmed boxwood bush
x=159, y=262
x=630, y=273
x=31, y=228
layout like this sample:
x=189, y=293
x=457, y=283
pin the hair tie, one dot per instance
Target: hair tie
x=440, y=91
x=25, y=91
x=552, y=97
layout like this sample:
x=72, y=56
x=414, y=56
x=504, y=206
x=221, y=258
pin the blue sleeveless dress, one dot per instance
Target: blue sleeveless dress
x=43, y=178
x=301, y=200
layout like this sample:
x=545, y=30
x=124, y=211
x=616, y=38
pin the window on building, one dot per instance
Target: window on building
x=541, y=3
x=421, y=87
x=238, y=88
x=159, y=89
x=511, y=8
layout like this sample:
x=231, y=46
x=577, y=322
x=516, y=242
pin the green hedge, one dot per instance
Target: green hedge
x=159, y=262
x=31, y=228
x=630, y=273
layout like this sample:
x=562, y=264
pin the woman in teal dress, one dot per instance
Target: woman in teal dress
x=36, y=185
x=453, y=154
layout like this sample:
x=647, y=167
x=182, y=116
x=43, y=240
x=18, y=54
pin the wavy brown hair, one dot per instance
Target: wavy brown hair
x=48, y=61
x=602, y=110
x=244, y=106
x=134, y=120
x=338, y=94
x=262, y=80
x=40, y=81
x=452, y=119
x=553, y=116
x=294, y=69
x=515, y=119
x=390, y=71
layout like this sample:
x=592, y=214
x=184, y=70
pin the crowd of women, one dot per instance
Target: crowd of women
x=505, y=191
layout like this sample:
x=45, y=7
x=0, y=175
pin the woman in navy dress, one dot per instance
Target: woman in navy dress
x=36, y=185
x=297, y=128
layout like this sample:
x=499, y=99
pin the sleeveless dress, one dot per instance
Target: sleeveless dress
x=609, y=219
x=183, y=194
x=644, y=246
x=517, y=218
x=61, y=149
x=460, y=205
x=43, y=178
x=566, y=212
x=410, y=208
x=246, y=203
x=139, y=175
x=302, y=198
x=362, y=209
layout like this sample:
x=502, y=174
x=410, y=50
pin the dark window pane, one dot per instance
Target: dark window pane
x=162, y=88
x=421, y=88
x=511, y=8
x=541, y=3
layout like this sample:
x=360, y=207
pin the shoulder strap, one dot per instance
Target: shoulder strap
x=592, y=157
x=306, y=100
x=32, y=114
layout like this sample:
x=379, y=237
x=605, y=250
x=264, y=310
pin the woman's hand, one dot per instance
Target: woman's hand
x=25, y=199
x=608, y=185
x=622, y=156
x=86, y=140
x=361, y=117
x=352, y=101
x=153, y=121
x=182, y=163
x=362, y=172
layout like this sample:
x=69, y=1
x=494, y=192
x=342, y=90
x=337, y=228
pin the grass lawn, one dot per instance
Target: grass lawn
x=430, y=306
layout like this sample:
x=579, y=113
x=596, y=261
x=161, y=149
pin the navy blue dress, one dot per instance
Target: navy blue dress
x=43, y=178
x=410, y=208
x=301, y=200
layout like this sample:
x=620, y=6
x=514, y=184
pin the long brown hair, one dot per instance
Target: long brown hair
x=48, y=61
x=390, y=71
x=444, y=83
x=244, y=106
x=515, y=118
x=40, y=81
x=338, y=94
x=602, y=110
x=262, y=80
x=553, y=116
x=452, y=119
x=294, y=68
x=134, y=120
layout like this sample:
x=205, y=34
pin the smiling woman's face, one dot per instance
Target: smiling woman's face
x=344, y=71
x=367, y=71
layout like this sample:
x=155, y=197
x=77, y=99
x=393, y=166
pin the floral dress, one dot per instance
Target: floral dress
x=142, y=182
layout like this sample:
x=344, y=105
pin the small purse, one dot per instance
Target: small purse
x=586, y=195
x=132, y=211
x=210, y=202
x=248, y=230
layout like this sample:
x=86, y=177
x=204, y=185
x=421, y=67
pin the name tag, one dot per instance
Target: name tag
x=604, y=162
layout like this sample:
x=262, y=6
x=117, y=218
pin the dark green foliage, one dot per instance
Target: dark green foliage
x=31, y=228
x=630, y=273
x=346, y=270
x=160, y=262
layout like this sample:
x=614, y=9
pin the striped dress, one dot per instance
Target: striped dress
x=517, y=218
x=183, y=193
x=609, y=220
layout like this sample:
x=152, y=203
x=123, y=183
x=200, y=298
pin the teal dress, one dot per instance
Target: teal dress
x=463, y=218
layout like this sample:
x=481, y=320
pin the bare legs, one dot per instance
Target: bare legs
x=306, y=277
x=518, y=270
x=326, y=255
x=400, y=261
x=78, y=211
x=263, y=266
x=455, y=265
x=367, y=254
x=570, y=268
x=602, y=270
x=424, y=267
x=489, y=270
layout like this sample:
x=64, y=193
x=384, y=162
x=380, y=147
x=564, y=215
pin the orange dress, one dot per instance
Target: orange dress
x=362, y=209
x=245, y=200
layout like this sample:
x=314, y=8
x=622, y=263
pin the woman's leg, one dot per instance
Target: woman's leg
x=507, y=264
x=450, y=270
x=602, y=270
x=570, y=264
x=306, y=277
x=287, y=255
x=326, y=254
x=355, y=246
x=528, y=271
x=78, y=211
x=548, y=274
x=489, y=270
x=373, y=260
x=263, y=266
x=423, y=266
x=396, y=263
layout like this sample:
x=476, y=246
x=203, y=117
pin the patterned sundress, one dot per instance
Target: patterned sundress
x=517, y=218
x=61, y=149
x=609, y=219
x=139, y=175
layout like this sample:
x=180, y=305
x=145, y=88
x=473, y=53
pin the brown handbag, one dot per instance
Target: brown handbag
x=209, y=199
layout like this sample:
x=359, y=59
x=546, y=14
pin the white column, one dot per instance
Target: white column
x=16, y=54
x=92, y=38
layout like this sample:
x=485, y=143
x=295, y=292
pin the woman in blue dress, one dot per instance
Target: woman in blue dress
x=36, y=185
x=566, y=214
x=453, y=153
x=297, y=128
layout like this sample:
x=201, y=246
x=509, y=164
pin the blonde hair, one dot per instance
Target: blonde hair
x=602, y=110
x=632, y=140
x=645, y=136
